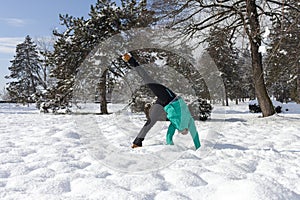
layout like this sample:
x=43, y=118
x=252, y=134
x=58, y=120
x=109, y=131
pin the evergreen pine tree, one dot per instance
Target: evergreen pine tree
x=283, y=56
x=245, y=74
x=221, y=50
x=82, y=36
x=25, y=72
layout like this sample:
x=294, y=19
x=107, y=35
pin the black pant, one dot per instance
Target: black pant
x=164, y=97
x=164, y=94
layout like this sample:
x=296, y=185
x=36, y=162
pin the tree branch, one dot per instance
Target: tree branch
x=283, y=4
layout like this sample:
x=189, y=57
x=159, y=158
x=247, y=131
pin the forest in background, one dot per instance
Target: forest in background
x=254, y=44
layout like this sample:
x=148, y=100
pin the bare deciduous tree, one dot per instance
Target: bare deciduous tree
x=244, y=16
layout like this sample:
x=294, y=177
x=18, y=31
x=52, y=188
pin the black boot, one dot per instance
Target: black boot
x=137, y=142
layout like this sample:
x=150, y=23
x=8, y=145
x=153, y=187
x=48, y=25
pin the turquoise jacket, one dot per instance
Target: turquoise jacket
x=180, y=117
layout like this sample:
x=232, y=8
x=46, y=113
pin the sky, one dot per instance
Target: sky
x=36, y=18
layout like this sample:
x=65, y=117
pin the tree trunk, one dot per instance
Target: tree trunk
x=226, y=99
x=255, y=42
x=298, y=84
x=45, y=77
x=102, y=88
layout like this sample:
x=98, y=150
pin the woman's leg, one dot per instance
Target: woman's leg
x=156, y=114
x=164, y=94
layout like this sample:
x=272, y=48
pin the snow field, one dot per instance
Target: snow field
x=46, y=156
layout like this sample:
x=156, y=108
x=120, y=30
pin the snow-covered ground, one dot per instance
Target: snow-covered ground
x=243, y=156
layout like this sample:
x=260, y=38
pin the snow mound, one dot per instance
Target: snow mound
x=55, y=186
x=68, y=134
x=258, y=187
x=184, y=179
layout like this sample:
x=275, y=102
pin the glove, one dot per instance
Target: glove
x=129, y=59
x=126, y=57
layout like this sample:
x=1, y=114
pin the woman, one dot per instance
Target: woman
x=175, y=107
